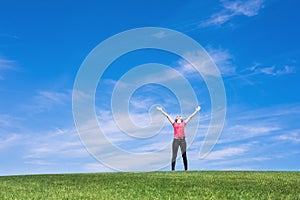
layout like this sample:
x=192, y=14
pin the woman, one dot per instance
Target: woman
x=179, y=136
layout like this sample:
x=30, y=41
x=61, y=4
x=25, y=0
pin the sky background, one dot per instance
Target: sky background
x=254, y=43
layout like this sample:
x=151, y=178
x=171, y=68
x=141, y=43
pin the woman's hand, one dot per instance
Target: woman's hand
x=159, y=108
x=198, y=108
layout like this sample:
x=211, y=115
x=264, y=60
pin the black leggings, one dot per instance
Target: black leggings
x=182, y=144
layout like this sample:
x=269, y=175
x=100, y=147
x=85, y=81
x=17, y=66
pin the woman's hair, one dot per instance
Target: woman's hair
x=176, y=119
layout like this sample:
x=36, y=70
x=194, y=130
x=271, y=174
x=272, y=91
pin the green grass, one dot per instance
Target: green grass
x=154, y=185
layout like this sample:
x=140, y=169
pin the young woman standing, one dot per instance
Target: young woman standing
x=179, y=136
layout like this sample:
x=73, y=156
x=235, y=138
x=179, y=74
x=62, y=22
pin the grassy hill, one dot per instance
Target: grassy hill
x=154, y=185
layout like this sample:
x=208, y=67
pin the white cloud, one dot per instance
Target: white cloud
x=250, y=138
x=226, y=153
x=38, y=162
x=232, y=9
x=143, y=125
x=225, y=63
x=51, y=145
x=10, y=140
x=53, y=97
x=248, y=8
x=271, y=70
x=10, y=127
x=6, y=121
x=223, y=60
x=250, y=124
x=241, y=132
x=272, y=113
x=217, y=19
x=6, y=64
x=285, y=70
x=291, y=137
x=201, y=61
x=47, y=100
x=128, y=141
x=160, y=35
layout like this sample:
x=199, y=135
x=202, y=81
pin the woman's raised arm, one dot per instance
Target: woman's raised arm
x=193, y=114
x=165, y=114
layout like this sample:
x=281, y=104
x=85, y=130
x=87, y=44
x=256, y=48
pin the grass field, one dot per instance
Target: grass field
x=154, y=185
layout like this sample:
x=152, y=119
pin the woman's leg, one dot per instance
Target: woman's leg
x=175, y=146
x=183, y=152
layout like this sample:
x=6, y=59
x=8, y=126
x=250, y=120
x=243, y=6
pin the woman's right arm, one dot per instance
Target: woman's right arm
x=165, y=114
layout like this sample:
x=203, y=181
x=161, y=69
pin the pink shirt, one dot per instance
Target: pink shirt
x=179, y=129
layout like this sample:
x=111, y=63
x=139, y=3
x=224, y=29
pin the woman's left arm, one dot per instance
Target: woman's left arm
x=193, y=114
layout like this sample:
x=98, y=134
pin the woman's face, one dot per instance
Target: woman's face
x=178, y=119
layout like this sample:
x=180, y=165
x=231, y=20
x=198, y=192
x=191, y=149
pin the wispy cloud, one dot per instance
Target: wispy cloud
x=121, y=128
x=53, y=97
x=226, y=153
x=150, y=134
x=218, y=58
x=38, y=162
x=6, y=64
x=223, y=60
x=250, y=137
x=50, y=145
x=47, y=100
x=242, y=131
x=248, y=8
x=10, y=136
x=231, y=9
x=10, y=140
x=201, y=61
x=291, y=137
x=160, y=35
x=8, y=37
x=272, y=113
x=271, y=70
x=6, y=121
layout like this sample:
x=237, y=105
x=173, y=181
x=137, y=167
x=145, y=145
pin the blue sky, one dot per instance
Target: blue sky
x=255, y=45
